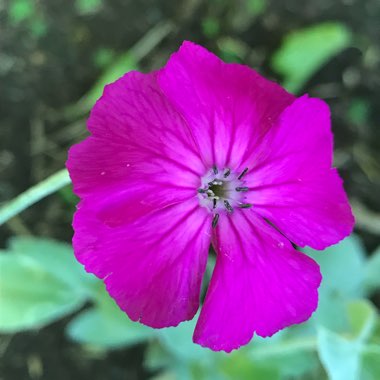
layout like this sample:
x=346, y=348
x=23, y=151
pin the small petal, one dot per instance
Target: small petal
x=153, y=268
x=260, y=284
x=229, y=107
x=291, y=181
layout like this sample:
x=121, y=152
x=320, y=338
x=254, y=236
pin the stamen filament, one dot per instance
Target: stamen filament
x=228, y=206
x=243, y=173
x=242, y=189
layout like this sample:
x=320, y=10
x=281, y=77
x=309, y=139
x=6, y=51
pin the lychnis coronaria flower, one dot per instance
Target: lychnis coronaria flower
x=203, y=152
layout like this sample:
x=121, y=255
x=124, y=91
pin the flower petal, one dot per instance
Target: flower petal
x=260, y=284
x=136, y=135
x=228, y=106
x=291, y=180
x=153, y=268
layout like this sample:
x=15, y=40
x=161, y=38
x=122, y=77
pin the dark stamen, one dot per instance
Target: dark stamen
x=245, y=205
x=215, y=220
x=214, y=202
x=228, y=206
x=227, y=173
x=242, y=189
x=201, y=191
x=215, y=169
x=243, y=173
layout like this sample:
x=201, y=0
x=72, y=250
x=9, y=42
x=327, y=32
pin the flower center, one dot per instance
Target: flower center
x=222, y=190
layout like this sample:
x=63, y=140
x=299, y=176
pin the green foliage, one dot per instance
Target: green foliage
x=345, y=328
x=358, y=111
x=256, y=7
x=68, y=196
x=210, y=27
x=362, y=317
x=20, y=10
x=370, y=362
x=38, y=27
x=372, y=272
x=25, y=11
x=240, y=366
x=122, y=64
x=342, y=267
x=349, y=357
x=56, y=258
x=305, y=51
x=42, y=282
x=39, y=283
x=103, y=57
x=339, y=356
x=106, y=326
x=178, y=341
x=88, y=6
x=232, y=50
x=289, y=353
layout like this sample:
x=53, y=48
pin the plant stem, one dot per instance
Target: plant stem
x=34, y=194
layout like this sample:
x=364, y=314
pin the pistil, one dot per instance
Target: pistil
x=223, y=189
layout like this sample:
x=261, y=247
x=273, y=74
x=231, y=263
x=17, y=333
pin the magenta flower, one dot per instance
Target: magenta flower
x=204, y=152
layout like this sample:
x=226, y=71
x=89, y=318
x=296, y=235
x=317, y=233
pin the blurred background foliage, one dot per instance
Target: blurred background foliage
x=56, y=321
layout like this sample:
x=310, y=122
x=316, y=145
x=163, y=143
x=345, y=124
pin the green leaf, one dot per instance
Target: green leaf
x=339, y=356
x=240, y=366
x=179, y=342
x=353, y=356
x=30, y=295
x=362, y=317
x=372, y=272
x=291, y=355
x=342, y=267
x=370, y=363
x=346, y=359
x=305, y=51
x=156, y=357
x=58, y=259
x=180, y=356
x=106, y=326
